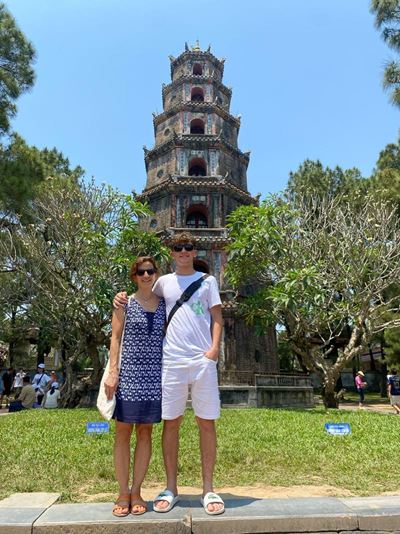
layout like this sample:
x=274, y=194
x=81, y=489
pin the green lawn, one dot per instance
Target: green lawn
x=370, y=397
x=49, y=451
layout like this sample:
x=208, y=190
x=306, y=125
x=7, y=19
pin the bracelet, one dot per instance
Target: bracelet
x=113, y=372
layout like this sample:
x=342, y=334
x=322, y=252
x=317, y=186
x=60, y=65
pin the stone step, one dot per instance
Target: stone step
x=243, y=515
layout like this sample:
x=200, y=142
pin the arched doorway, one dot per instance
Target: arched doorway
x=197, y=69
x=197, y=126
x=197, y=94
x=196, y=219
x=197, y=167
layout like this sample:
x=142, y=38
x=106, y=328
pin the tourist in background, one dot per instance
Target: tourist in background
x=360, y=386
x=40, y=381
x=52, y=397
x=18, y=383
x=393, y=389
x=8, y=380
x=27, y=397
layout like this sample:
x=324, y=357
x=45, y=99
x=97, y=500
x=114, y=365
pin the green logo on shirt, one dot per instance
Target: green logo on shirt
x=197, y=307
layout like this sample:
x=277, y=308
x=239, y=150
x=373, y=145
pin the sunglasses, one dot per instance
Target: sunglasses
x=141, y=272
x=187, y=246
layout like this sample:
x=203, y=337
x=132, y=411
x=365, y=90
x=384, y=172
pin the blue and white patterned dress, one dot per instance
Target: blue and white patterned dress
x=138, y=396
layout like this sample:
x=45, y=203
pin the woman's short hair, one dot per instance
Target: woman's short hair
x=139, y=261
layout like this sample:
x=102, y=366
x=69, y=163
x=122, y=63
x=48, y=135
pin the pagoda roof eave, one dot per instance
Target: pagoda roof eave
x=203, y=106
x=198, y=54
x=166, y=88
x=188, y=140
x=173, y=183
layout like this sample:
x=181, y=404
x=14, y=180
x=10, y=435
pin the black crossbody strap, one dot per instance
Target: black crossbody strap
x=189, y=291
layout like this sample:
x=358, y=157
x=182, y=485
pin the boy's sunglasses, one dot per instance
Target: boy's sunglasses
x=140, y=272
x=187, y=246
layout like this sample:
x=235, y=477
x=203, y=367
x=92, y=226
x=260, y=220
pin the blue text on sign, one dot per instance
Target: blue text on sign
x=338, y=429
x=97, y=428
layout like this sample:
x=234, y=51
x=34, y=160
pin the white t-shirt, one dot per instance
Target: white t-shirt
x=18, y=380
x=40, y=381
x=51, y=400
x=189, y=332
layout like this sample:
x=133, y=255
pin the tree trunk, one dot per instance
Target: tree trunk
x=330, y=399
x=11, y=344
x=329, y=395
x=81, y=392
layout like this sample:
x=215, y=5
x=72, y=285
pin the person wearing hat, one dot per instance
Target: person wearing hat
x=39, y=382
x=52, y=396
x=360, y=386
x=393, y=384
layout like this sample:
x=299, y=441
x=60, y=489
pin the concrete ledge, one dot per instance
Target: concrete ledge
x=381, y=513
x=19, y=511
x=97, y=519
x=277, y=515
x=373, y=515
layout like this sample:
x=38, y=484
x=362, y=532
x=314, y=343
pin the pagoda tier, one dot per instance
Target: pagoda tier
x=197, y=62
x=196, y=155
x=187, y=87
x=205, y=108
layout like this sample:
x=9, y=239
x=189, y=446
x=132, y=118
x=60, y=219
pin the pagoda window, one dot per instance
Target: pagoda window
x=196, y=219
x=197, y=126
x=197, y=94
x=197, y=167
x=197, y=69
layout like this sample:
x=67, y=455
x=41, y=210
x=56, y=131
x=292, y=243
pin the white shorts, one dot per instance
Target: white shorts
x=394, y=399
x=201, y=374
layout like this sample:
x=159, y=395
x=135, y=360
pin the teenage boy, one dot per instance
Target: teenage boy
x=190, y=354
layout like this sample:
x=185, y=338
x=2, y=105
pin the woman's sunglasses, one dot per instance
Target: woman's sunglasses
x=187, y=246
x=141, y=272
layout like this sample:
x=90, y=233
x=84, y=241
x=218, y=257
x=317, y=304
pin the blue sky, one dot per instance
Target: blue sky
x=306, y=79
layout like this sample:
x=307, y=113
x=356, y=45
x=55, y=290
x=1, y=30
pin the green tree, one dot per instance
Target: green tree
x=313, y=180
x=387, y=19
x=21, y=169
x=74, y=256
x=386, y=177
x=16, y=72
x=323, y=270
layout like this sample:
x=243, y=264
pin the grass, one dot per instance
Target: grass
x=371, y=397
x=49, y=451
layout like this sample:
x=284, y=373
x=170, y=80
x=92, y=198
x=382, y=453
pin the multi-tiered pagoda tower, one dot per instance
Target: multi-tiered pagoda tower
x=196, y=175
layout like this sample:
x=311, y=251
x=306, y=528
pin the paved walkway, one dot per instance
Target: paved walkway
x=39, y=513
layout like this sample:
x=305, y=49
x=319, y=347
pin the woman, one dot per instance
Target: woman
x=137, y=383
x=360, y=386
x=52, y=396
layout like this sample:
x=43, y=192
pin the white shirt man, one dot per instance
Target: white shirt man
x=39, y=382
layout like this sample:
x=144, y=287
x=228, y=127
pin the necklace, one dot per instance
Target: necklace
x=144, y=299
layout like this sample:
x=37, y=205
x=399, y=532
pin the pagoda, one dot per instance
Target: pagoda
x=196, y=176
